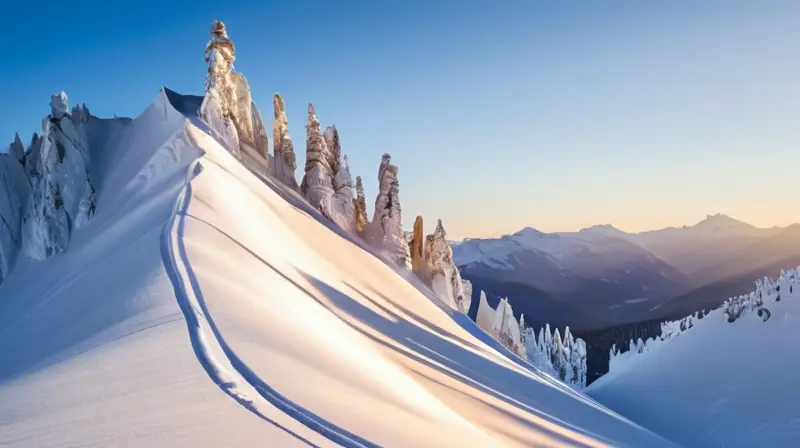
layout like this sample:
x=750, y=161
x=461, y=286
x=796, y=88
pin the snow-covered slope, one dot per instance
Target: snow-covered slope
x=718, y=383
x=208, y=305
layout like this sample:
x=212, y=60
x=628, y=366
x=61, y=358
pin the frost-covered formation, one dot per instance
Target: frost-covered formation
x=767, y=293
x=485, y=314
x=285, y=164
x=466, y=287
x=343, y=205
x=14, y=193
x=442, y=271
x=62, y=195
x=360, y=208
x=505, y=328
x=219, y=106
x=17, y=149
x=563, y=358
x=387, y=222
x=317, y=185
x=228, y=107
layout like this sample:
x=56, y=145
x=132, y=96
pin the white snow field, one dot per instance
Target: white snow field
x=206, y=305
x=718, y=384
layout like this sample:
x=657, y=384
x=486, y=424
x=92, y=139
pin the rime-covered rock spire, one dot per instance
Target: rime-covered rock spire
x=317, y=185
x=285, y=163
x=228, y=106
x=343, y=207
x=218, y=105
x=387, y=219
x=442, y=271
x=360, y=207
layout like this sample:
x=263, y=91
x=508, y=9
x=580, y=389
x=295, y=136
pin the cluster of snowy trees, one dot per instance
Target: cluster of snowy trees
x=561, y=357
x=45, y=189
x=564, y=358
x=768, y=293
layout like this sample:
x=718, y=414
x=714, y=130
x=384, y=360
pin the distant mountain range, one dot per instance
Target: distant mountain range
x=602, y=276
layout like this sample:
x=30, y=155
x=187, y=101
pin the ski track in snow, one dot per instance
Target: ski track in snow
x=231, y=374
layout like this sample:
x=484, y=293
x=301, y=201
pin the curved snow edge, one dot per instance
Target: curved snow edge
x=240, y=383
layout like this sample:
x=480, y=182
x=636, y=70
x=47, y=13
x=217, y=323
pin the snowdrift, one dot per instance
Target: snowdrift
x=207, y=305
x=718, y=383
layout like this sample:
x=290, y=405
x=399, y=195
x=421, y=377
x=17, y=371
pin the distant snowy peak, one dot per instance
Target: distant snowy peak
x=719, y=222
x=606, y=230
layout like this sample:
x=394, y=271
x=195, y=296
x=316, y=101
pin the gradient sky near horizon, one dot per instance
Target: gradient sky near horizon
x=500, y=115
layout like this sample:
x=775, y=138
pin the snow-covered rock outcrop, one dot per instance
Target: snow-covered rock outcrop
x=344, y=195
x=285, y=163
x=441, y=271
x=14, y=193
x=62, y=195
x=387, y=221
x=228, y=106
x=317, y=185
x=505, y=328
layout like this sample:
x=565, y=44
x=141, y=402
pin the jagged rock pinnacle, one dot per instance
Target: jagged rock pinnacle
x=59, y=105
x=360, y=205
x=416, y=246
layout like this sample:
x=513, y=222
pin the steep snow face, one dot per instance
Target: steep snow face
x=163, y=315
x=719, y=380
x=14, y=193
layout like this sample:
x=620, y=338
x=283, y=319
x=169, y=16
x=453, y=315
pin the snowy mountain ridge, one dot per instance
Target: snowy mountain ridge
x=205, y=295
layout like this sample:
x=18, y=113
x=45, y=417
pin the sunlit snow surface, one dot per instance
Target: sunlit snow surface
x=201, y=307
x=718, y=384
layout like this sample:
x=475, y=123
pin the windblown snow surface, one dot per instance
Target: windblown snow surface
x=718, y=384
x=206, y=305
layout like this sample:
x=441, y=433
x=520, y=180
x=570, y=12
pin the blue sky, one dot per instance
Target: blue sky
x=500, y=115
